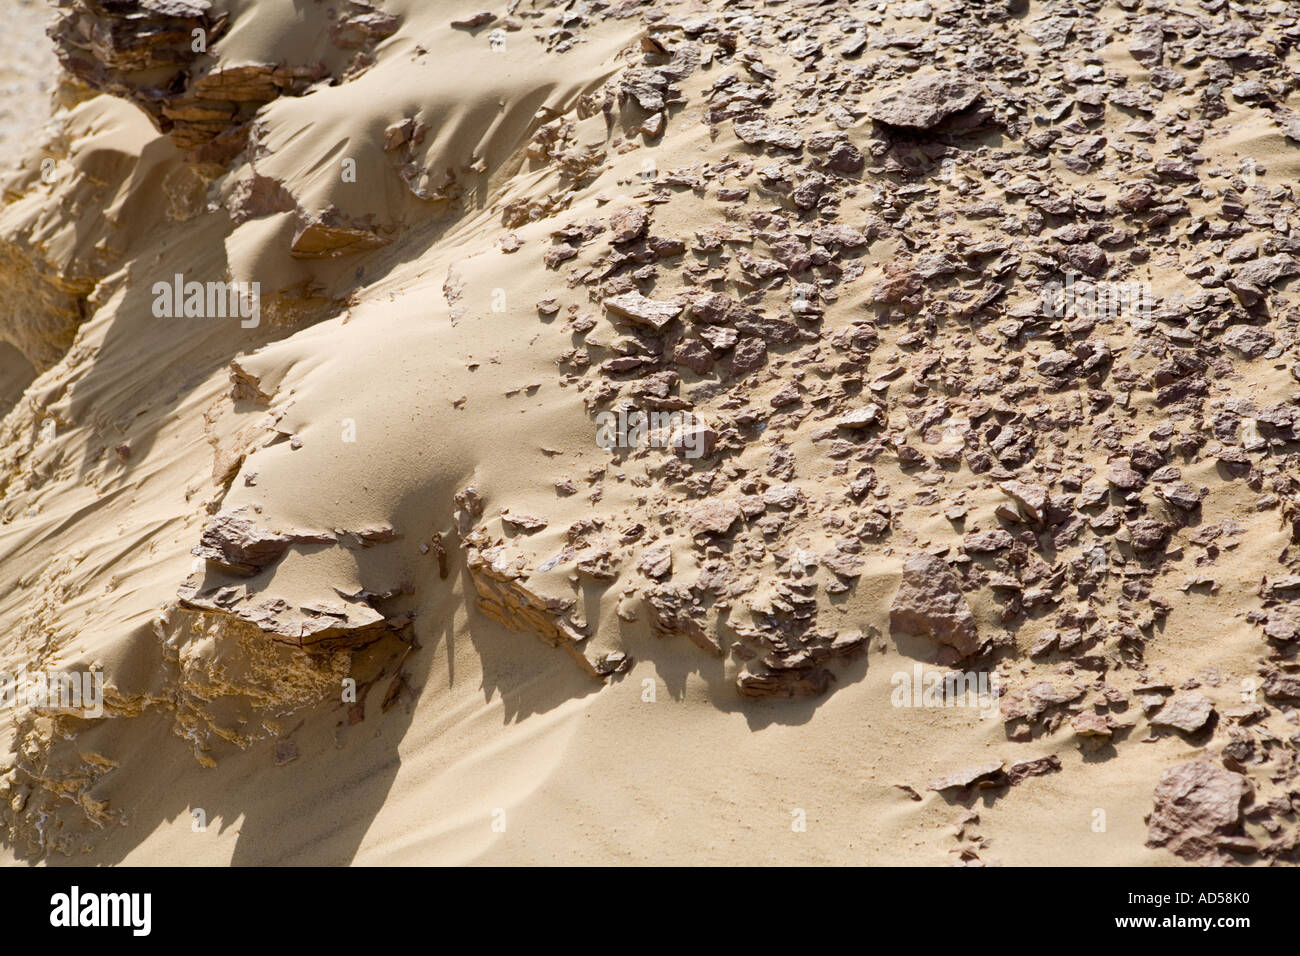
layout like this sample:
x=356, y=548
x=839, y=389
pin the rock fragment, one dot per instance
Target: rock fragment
x=989, y=772
x=930, y=603
x=924, y=102
x=714, y=517
x=1186, y=712
x=481, y=18
x=652, y=313
x=1196, y=805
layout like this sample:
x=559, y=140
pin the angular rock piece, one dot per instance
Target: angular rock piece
x=797, y=682
x=990, y=773
x=1091, y=724
x=481, y=18
x=1018, y=772
x=929, y=602
x=627, y=224
x=714, y=517
x=255, y=196
x=233, y=541
x=1147, y=42
x=1037, y=699
x=1186, y=712
x=863, y=417
x=1283, y=625
x=363, y=26
x=523, y=522
x=1196, y=803
x=983, y=541
x=331, y=234
x=924, y=101
x=1181, y=495
x=1124, y=477
x=1032, y=499
x=1249, y=341
x=1282, y=686
x=1267, y=270
x=693, y=440
x=843, y=562
x=656, y=562
x=643, y=311
x=350, y=622
x=759, y=133
x=673, y=611
x=507, y=595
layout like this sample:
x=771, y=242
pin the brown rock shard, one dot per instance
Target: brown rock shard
x=673, y=611
x=522, y=522
x=1196, y=805
x=233, y=541
x=797, y=682
x=1124, y=477
x=1037, y=699
x=844, y=561
x=714, y=517
x=759, y=133
x=479, y=19
x=254, y=196
x=977, y=542
x=656, y=562
x=350, y=622
x=1021, y=771
x=362, y=26
x=924, y=101
x=864, y=417
x=1091, y=724
x=1187, y=712
x=1032, y=499
x=929, y=602
x=627, y=224
x=1147, y=42
x=643, y=311
x=694, y=440
x=1282, y=686
x=1249, y=341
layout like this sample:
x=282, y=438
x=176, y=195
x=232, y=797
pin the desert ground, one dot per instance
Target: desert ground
x=758, y=432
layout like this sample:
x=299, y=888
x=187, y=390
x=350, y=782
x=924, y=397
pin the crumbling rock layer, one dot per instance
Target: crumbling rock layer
x=157, y=54
x=504, y=598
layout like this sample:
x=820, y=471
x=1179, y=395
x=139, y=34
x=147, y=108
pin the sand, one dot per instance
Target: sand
x=362, y=584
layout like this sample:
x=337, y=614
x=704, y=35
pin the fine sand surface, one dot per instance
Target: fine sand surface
x=28, y=75
x=361, y=582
